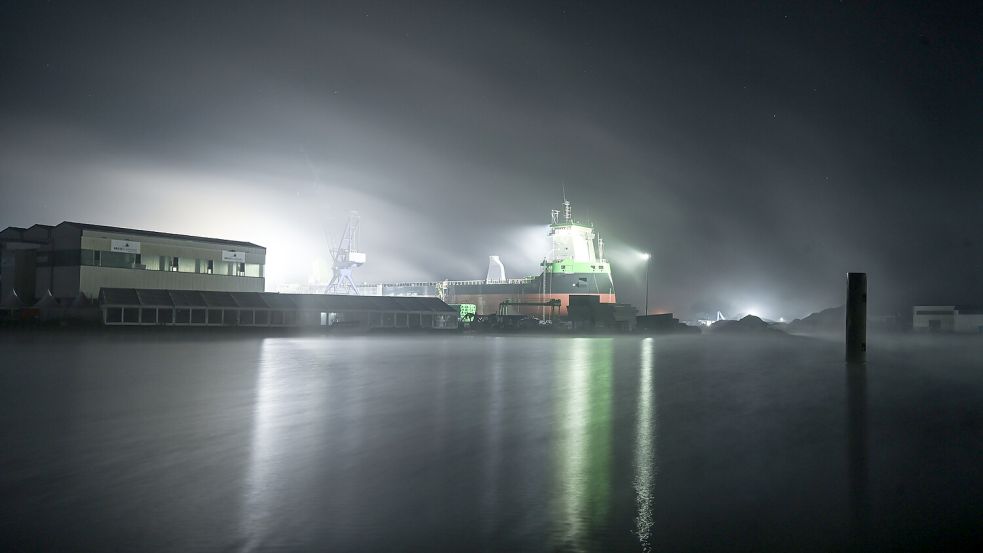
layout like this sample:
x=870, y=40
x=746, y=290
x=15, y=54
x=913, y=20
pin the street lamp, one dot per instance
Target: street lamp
x=647, y=257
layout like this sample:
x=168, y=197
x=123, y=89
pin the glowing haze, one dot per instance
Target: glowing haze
x=758, y=154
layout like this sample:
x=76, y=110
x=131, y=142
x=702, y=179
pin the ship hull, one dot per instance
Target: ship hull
x=489, y=303
x=487, y=297
x=559, y=286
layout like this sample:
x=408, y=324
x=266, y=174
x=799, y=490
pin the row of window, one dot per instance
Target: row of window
x=262, y=317
x=98, y=258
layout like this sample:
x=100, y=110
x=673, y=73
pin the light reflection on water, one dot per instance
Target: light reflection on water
x=492, y=465
x=583, y=441
x=290, y=424
x=271, y=396
x=487, y=443
x=645, y=447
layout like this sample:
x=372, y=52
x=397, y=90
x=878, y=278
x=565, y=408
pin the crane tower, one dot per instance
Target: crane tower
x=345, y=258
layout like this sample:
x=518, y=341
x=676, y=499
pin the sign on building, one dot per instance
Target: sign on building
x=235, y=257
x=125, y=246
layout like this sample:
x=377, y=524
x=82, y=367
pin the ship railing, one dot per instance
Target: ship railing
x=523, y=280
x=374, y=284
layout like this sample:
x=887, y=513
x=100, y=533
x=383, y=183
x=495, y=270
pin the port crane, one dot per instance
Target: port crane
x=345, y=259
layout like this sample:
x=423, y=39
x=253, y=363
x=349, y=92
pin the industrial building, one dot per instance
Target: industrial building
x=67, y=264
x=135, y=307
x=588, y=314
x=947, y=318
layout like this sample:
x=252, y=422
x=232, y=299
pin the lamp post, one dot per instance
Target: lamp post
x=648, y=265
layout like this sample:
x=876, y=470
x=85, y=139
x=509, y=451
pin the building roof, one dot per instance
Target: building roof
x=268, y=300
x=138, y=232
x=12, y=232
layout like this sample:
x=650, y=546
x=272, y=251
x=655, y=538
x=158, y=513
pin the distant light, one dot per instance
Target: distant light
x=645, y=256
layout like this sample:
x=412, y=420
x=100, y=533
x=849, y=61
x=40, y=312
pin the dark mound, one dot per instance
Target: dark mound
x=827, y=320
x=748, y=324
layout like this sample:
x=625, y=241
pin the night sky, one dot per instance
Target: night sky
x=758, y=150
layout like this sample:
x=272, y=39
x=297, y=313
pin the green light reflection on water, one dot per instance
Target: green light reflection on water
x=582, y=449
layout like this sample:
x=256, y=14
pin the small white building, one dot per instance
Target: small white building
x=948, y=318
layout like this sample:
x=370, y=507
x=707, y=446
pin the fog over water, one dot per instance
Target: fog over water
x=140, y=441
x=759, y=152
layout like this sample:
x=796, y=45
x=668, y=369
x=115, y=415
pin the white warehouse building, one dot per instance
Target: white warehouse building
x=70, y=262
x=948, y=318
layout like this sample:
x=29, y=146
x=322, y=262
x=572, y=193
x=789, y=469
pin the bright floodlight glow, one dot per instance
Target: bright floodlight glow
x=645, y=255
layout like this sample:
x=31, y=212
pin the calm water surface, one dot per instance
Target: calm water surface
x=135, y=441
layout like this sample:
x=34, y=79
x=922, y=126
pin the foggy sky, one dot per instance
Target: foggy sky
x=759, y=152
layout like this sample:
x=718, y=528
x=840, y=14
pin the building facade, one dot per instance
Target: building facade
x=962, y=319
x=189, y=308
x=72, y=261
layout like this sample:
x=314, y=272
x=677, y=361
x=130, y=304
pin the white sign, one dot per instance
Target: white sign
x=125, y=246
x=235, y=257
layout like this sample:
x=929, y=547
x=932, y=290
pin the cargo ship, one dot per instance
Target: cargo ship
x=575, y=265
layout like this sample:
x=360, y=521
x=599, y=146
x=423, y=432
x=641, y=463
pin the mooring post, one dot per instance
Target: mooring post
x=856, y=317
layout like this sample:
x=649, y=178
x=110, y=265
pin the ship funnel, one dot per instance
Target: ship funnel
x=496, y=271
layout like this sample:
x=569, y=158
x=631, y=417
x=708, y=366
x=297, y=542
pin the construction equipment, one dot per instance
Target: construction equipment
x=553, y=304
x=346, y=258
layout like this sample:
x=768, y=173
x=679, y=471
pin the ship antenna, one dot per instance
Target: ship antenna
x=566, y=206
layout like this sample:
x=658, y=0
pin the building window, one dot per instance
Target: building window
x=161, y=263
x=174, y=264
x=97, y=258
x=114, y=315
x=131, y=314
x=118, y=260
x=211, y=267
x=148, y=315
x=262, y=317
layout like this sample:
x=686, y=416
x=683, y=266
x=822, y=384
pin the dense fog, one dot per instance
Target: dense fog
x=758, y=155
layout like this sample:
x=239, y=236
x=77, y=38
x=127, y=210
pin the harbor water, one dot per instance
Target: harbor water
x=145, y=441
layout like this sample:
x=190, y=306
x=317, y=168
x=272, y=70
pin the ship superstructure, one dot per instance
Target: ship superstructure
x=574, y=265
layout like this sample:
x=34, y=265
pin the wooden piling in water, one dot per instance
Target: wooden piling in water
x=856, y=317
